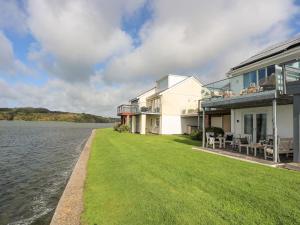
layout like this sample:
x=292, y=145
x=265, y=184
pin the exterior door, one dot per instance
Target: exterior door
x=255, y=124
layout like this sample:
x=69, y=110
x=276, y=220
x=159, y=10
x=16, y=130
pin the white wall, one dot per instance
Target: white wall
x=142, y=98
x=284, y=119
x=180, y=97
x=174, y=79
x=142, y=124
x=133, y=124
x=171, y=124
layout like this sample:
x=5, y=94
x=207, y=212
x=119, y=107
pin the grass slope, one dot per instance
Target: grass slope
x=139, y=180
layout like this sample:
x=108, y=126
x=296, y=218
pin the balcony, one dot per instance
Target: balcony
x=150, y=110
x=127, y=109
x=248, y=89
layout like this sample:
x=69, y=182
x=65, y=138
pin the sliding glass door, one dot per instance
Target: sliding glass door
x=248, y=124
x=255, y=124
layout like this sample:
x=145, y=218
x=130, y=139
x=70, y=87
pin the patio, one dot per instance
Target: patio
x=242, y=147
x=239, y=156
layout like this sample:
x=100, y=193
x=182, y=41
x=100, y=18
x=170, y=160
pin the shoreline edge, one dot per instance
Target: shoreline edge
x=70, y=205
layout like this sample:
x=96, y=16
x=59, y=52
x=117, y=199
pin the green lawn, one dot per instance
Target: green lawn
x=138, y=180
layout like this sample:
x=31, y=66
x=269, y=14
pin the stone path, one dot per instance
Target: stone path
x=70, y=205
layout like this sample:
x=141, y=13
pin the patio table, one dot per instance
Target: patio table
x=257, y=146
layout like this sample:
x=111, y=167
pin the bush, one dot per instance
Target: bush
x=197, y=134
x=116, y=126
x=217, y=131
x=121, y=128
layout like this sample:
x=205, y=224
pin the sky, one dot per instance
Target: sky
x=92, y=55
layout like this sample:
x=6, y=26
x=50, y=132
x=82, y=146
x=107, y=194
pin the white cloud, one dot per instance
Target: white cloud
x=185, y=36
x=94, y=97
x=8, y=63
x=79, y=34
x=74, y=37
x=12, y=16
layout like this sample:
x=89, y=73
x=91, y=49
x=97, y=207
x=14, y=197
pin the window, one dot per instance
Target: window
x=270, y=70
x=261, y=75
x=157, y=122
x=249, y=78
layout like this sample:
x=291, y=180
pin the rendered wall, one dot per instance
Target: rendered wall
x=133, y=124
x=176, y=99
x=171, y=124
x=284, y=119
x=143, y=97
x=142, y=124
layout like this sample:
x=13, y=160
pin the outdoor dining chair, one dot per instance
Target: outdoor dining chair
x=228, y=138
x=285, y=146
x=245, y=141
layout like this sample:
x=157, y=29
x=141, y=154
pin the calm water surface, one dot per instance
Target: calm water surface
x=36, y=160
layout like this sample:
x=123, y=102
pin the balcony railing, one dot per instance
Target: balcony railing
x=135, y=109
x=150, y=109
x=253, y=83
x=127, y=109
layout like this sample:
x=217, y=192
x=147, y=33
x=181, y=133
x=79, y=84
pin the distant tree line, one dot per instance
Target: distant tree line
x=43, y=114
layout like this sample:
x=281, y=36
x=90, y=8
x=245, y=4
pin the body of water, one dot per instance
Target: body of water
x=36, y=160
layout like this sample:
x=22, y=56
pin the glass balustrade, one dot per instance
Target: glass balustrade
x=255, y=82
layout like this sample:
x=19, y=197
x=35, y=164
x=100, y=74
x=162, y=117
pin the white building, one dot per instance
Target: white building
x=169, y=108
x=254, y=97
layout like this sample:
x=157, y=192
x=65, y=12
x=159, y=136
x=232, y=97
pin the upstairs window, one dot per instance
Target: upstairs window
x=262, y=75
x=249, y=78
x=270, y=70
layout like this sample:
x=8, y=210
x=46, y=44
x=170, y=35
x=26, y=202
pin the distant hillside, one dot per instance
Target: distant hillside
x=43, y=114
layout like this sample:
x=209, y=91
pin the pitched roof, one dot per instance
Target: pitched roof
x=137, y=97
x=270, y=51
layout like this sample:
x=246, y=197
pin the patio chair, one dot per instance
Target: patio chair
x=228, y=138
x=285, y=146
x=209, y=142
x=236, y=142
x=245, y=141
